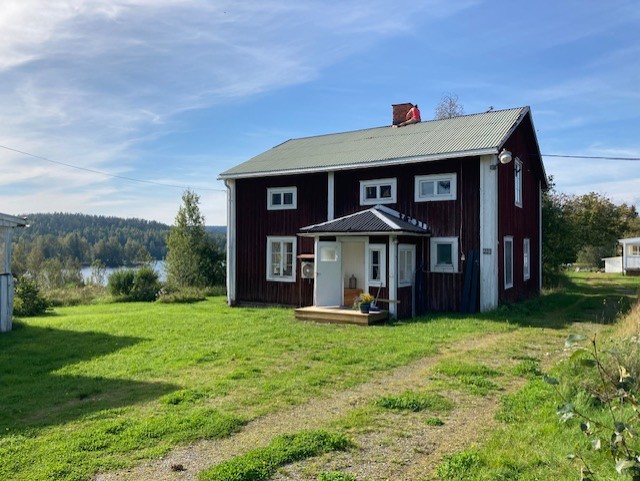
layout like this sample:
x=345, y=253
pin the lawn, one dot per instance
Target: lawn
x=93, y=388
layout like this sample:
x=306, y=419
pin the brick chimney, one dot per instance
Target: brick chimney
x=400, y=112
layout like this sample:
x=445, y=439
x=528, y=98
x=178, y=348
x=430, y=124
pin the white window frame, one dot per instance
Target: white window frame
x=433, y=247
x=382, y=249
x=282, y=241
x=634, y=250
x=282, y=191
x=526, y=259
x=518, y=173
x=377, y=183
x=435, y=178
x=406, y=264
x=508, y=269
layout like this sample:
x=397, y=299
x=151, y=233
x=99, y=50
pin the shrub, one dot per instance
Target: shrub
x=120, y=282
x=145, y=285
x=28, y=301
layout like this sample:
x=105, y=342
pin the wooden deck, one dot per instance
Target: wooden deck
x=340, y=315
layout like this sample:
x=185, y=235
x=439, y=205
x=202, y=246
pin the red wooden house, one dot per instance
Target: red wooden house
x=441, y=215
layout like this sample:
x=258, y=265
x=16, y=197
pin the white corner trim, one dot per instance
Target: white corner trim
x=489, y=286
x=231, y=241
x=331, y=196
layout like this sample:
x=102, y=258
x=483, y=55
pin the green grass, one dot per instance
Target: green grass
x=96, y=387
x=335, y=476
x=412, y=401
x=144, y=377
x=260, y=464
x=474, y=378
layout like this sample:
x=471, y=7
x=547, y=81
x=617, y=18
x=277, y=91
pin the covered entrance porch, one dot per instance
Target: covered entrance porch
x=372, y=251
x=7, y=224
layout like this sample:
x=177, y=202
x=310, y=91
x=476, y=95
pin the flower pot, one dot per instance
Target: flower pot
x=364, y=307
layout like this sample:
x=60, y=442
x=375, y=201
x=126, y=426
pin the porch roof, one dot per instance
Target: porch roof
x=376, y=220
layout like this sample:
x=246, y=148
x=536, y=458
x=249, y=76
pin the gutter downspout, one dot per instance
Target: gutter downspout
x=231, y=241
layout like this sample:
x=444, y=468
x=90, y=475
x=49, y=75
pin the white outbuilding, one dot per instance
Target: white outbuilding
x=7, y=224
x=630, y=256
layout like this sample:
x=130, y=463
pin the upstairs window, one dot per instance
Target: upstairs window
x=517, y=166
x=379, y=191
x=282, y=198
x=281, y=254
x=430, y=188
x=444, y=254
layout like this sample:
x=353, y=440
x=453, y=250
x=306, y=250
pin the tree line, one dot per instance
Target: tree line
x=583, y=229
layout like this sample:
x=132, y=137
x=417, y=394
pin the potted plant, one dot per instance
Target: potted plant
x=363, y=302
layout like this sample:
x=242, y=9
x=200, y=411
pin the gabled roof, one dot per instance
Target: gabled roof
x=467, y=135
x=376, y=220
x=629, y=240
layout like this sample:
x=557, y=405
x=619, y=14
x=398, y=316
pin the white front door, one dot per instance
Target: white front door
x=328, y=279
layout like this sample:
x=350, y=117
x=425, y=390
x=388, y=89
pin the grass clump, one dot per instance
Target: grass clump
x=434, y=421
x=527, y=368
x=457, y=467
x=474, y=377
x=335, y=476
x=413, y=401
x=260, y=464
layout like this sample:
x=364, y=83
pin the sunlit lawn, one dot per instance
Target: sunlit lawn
x=92, y=388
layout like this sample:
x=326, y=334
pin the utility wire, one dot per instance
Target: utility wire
x=162, y=184
x=93, y=171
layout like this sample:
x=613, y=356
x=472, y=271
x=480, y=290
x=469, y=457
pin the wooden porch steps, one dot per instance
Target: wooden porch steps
x=340, y=315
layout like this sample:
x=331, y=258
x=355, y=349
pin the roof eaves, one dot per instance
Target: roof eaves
x=363, y=165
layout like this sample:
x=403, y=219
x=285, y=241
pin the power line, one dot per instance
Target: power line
x=635, y=159
x=93, y=171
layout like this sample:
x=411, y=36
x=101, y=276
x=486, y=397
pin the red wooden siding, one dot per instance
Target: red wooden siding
x=520, y=222
x=255, y=223
x=449, y=218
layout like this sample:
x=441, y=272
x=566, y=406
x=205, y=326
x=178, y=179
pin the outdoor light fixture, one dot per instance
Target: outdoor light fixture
x=505, y=156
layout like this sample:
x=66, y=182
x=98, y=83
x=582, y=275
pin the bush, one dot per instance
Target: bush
x=120, y=282
x=129, y=285
x=28, y=301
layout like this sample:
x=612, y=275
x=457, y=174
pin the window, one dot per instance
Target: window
x=406, y=264
x=281, y=255
x=526, y=259
x=379, y=191
x=435, y=187
x=508, y=262
x=282, y=198
x=634, y=250
x=377, y=265
x=444, y=254
x=517, y=166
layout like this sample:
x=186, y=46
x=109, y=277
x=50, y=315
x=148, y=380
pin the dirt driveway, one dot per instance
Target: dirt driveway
x=398, y=446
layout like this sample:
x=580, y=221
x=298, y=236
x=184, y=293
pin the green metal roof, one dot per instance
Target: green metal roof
x=467, y=135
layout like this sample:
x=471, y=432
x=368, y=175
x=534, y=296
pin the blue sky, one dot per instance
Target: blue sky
x=177, y=91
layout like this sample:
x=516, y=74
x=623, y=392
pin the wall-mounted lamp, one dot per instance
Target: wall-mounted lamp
x=504, y=157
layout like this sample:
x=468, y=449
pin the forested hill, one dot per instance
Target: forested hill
x=112, y=240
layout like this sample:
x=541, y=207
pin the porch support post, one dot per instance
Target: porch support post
x=489, y=276
x=393, y=267
x=6, y=285
x=231, y=241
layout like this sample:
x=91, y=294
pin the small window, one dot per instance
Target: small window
x=517, y=166
x=281, y=254
x=379, y=191
x=377, y=264
x=444, y=254
x=430, y=188
x=526, y=263
x=634, y=250
x=282, y=198
x=508, y=262
x=406, y=264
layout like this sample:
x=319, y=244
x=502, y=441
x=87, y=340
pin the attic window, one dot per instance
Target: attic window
x=282, y=198
x=378, y=191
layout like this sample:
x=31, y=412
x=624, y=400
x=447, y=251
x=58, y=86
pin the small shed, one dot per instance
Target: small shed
x=7, y=224
x=630, y=256
x=613, y=265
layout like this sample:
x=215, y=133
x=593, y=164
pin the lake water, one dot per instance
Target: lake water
x=158, y=266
